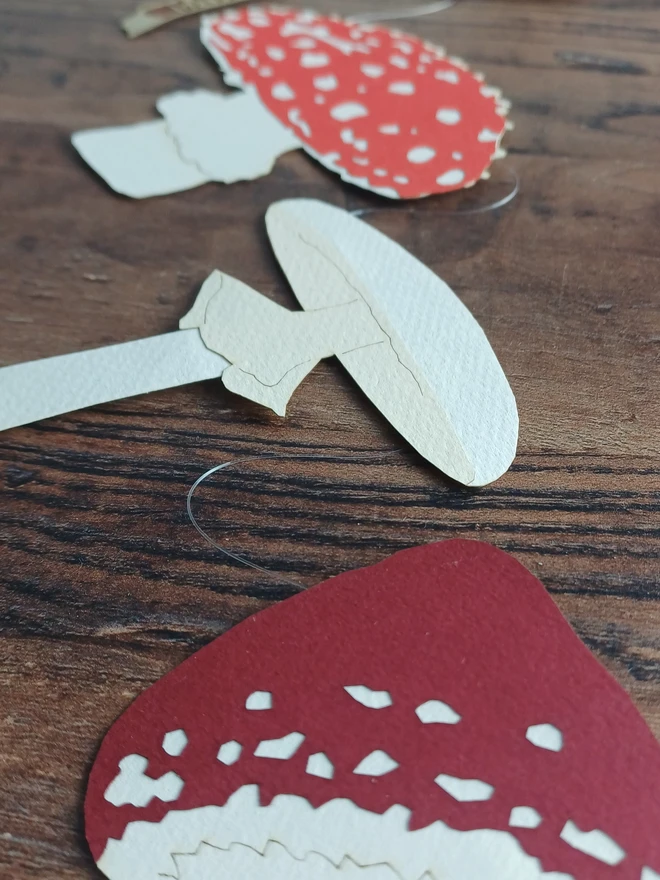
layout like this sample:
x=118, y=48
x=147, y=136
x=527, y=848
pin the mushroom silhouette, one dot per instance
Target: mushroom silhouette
x=433, y=716
x=387, y=111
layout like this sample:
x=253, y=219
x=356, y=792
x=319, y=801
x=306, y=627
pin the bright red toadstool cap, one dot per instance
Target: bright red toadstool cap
x=387, y=111
x=431, y=716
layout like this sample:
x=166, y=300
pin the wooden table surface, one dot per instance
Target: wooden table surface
x=104, y=584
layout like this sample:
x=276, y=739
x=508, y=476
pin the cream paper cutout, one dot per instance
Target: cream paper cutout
x=272, y=349
x=406, y=339
x=149, y=16
x=336, y=830
x=53, y=386
x=138, y=161
x=204, y=136
x=230, y=137
x=434, y=376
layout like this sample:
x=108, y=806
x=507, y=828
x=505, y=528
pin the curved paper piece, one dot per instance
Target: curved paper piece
x=435, y=378
x=431, y=716
x=385, y=110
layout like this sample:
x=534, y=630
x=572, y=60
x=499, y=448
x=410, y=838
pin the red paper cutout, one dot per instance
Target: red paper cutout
x=384, y=109
x=458, y=621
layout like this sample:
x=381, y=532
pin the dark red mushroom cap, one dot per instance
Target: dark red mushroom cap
x=384, y=109
x=442, y=685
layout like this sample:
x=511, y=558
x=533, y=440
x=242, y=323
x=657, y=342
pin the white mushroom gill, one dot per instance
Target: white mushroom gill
x=337, y=831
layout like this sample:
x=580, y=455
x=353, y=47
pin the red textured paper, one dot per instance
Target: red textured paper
x=458, y=621
x=244, y=43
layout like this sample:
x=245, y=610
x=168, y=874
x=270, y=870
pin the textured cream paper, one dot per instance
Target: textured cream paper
x=139, y=160
x=41, y=389
x=436, y=378
x=272, y=349
x=229, y=137
x=204, y=136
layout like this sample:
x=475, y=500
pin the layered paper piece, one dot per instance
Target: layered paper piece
x=384, y=110
x=406, y=339
x=433, y=716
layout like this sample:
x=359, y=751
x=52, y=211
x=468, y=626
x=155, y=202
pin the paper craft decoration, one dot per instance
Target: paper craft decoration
x=154, y=14
x=433, y=716
x=406, y=339
x=385, y=110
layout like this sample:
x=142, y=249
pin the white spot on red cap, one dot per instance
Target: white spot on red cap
x=380, y=172
x=649, y=874
x=296, y=119
x=389, y=129
x=361, y=144
x=326, y=83
x=451, y=178
x=524, y=817
x=595, y=843
x=400, y=62
x=235, y=31
x=281, y=749
x=361, y=160
x=457, y=156
x=131, y=786
x=259, y=701
x=373, y=71
x=348, y=110
x=465, y=790
x=399, y=178
x=304, y=43
x=370, y=699
x=421, y=155
x=402, y=88
x=449, y=76
x=404, y=47
x=258, y=18
x=320, y=765
x=377, y=763
x=265, y=71
x=229, y=752
x=486, y=136
x=545, y=736
x=175, y=742
x=314, y=59
x=448, y=116
x=282, y=92
x=276, y=53
x=435, y=711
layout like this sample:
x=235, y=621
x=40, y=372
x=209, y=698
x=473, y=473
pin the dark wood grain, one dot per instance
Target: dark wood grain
x=104, y=584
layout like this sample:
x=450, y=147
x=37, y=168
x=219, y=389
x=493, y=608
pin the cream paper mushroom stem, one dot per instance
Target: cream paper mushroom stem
x=405, y=337
x=386, y=111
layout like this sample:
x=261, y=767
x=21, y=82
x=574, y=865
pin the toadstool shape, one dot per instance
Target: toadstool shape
x=387, y=111
x=399, y=330
x=295, y=765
